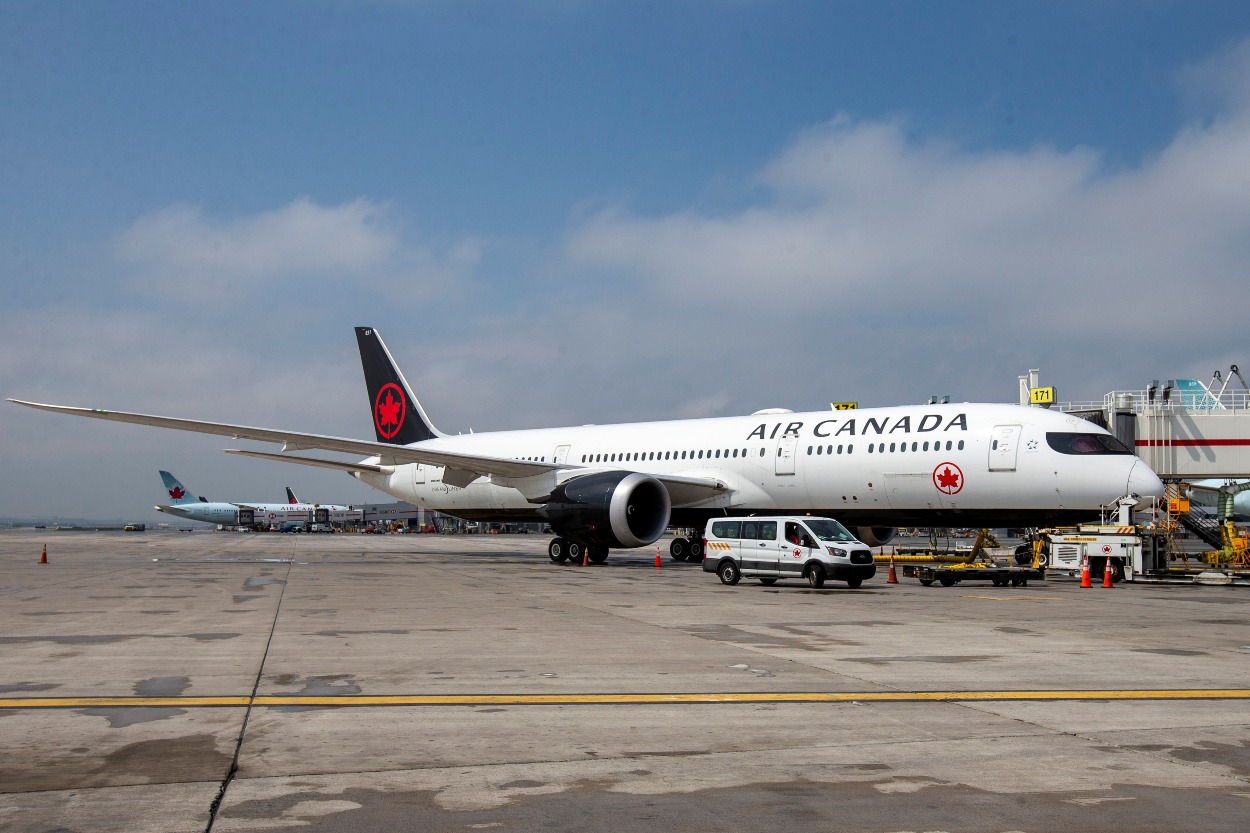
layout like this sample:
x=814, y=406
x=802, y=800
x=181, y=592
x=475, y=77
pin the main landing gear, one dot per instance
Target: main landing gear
x=686, y=549
x=561, y=550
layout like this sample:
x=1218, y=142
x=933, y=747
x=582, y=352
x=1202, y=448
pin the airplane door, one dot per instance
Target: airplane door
x=246, y=517
x=785, y=454
x=1003, y=444
x=561, y=454
x=418, y=474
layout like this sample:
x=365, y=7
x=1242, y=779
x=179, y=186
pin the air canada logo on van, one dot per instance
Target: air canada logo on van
x=948, y=479
x=389, y=409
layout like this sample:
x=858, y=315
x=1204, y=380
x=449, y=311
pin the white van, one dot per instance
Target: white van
x=785, y=547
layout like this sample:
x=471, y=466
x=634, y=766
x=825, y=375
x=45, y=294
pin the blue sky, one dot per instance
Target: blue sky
x=568, y=212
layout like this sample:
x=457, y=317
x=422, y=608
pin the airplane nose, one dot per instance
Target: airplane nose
x=1143, y=482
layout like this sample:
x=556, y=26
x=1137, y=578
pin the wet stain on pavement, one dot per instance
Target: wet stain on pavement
x=1170, y=652
x=18, y=688
x=261, y=581
x=241, y=598
x=802, y=639
x=807, y=806
x=952, y=660
x=397, y=631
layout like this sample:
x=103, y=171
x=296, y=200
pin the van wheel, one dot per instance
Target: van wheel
x=556, y=550
x=854, y=583
x=677, y=549
x=815, y=576
x=729, y=573
x=768, y=582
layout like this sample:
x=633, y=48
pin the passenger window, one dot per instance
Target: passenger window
x=850, y=448
x=750, y=530
x=768, y=530
x=913, y=446
x=926, y=445
x=891, y=446
x=809, y=451
x=961, y=445
x=839, y=449
x=726, y=529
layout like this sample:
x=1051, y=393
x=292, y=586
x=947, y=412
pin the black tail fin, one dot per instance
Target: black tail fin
x=290, y=496
x=398, y=417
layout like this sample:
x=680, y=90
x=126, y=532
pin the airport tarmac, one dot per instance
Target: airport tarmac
x=452, y=683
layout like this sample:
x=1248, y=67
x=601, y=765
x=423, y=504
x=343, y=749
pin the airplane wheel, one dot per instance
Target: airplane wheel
x=576, y=552
x=598, y=555
x=557, y=550
x=695, y=551
x=677, y=549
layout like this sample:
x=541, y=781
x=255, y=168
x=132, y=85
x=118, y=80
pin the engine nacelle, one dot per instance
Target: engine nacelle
x=611, y=509
x=876, y=536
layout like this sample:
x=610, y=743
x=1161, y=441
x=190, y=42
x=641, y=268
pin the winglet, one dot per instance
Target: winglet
x=398, y=417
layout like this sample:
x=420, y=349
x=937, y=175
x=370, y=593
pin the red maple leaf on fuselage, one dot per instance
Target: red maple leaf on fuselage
x=948, y=479
x=388, y=411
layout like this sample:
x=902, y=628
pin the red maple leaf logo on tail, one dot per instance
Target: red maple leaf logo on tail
x=176, y=493
x=389, y=409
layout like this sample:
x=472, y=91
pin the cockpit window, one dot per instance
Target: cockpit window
x=1073, y=443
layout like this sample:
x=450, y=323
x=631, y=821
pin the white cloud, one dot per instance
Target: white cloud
x=858, y=216
x=287, y=255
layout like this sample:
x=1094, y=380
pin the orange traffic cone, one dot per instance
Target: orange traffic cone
x=585, y=556
x=1107, y=572
x=1085, y=572
x=658, y=562
x=893, y=578
x=43, y=556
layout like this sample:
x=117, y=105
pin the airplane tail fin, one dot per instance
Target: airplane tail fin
x=398, y=417
x=178, y=494
x=290, y=496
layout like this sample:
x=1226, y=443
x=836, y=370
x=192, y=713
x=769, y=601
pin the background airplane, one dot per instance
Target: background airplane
x=183, y=505
x=602, y=486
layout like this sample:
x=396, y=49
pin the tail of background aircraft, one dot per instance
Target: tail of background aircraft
x=178, y=494
x=398, y=417
x=290, y=496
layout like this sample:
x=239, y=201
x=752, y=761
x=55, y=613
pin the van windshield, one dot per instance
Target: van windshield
x=829, y=530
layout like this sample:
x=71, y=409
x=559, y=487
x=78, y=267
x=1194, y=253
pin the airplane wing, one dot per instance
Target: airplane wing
x=462, y=469
x=294, y=441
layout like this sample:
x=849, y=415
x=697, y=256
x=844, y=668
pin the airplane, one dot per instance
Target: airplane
x=183, y=505
x=623, y=485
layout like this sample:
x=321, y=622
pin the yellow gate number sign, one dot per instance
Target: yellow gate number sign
x=1042, y=396
x=845, y=406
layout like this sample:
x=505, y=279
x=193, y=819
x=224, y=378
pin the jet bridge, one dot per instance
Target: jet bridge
x=1183, y=429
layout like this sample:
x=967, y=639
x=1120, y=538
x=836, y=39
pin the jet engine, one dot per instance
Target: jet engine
x=610, y=509
x=876, y=536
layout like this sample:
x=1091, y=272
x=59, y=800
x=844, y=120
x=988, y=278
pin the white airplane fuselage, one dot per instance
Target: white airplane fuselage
x=940, y=465
x=217, y=512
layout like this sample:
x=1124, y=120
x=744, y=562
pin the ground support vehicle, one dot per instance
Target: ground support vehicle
x=772, y=548
x=949, y=575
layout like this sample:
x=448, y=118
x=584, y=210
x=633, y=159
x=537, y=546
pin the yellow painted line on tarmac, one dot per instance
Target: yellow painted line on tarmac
x=365, y=700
